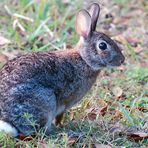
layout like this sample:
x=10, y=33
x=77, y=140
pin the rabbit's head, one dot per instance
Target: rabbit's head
x=97, y=49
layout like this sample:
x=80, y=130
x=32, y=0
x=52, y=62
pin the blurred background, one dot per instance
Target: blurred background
x=118, y=104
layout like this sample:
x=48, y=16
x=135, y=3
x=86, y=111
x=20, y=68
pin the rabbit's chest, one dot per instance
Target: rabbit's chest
x=76, y=91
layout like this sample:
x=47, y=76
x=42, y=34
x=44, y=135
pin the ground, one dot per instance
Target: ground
x=115, y=111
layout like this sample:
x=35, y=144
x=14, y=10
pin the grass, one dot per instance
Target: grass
x=116, y=106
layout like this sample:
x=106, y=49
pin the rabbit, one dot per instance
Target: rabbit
x=37, y=88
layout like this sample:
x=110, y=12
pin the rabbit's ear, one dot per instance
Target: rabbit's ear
x=94, y=10
x=83, y=23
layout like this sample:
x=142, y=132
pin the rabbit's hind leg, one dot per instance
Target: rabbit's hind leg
x=31, y=110
x=27, y=118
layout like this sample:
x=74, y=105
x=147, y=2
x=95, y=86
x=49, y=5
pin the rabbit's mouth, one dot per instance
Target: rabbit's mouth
x=116, y=61
x=114, y=64
x=111, y=64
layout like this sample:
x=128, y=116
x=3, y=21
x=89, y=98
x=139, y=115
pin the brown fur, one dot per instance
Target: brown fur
x=37, y=87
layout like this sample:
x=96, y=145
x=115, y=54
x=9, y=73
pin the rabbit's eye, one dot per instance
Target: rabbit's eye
x=102, y=46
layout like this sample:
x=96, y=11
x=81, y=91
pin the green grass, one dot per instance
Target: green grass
x=50, y=26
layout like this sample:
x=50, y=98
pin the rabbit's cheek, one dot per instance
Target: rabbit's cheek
x=105, y=55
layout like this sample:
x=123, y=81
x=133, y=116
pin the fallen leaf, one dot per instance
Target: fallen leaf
x=117, y=91
x=3, y=58
x=4, y=41
x=72, y=140
x=121, y=20
x=117, y=115
x=133, y=41
x=92, y=116
x=136, y=12
x=119, y=38
x=103, y=110
x=25, y=138
x=143, y=63
x=137, y=136
x=11, y=54
x=92, y=113
x=102, y=102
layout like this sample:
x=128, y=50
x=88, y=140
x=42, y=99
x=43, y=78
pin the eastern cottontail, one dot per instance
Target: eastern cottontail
x=37, y=87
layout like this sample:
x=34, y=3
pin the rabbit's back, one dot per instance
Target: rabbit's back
x=66, y=74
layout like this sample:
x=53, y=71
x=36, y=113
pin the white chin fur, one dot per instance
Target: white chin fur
x=7, y=128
